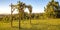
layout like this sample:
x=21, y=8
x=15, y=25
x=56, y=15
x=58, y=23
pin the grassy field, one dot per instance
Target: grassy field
x=45, y=24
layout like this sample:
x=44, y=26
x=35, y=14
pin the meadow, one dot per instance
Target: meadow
x=39, y=24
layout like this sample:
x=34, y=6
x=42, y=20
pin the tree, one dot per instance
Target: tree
x=20, y=6
x=51, y=8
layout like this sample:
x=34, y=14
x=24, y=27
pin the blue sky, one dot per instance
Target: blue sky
x=37, y=5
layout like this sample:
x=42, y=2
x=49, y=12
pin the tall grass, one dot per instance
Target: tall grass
x=46, y=24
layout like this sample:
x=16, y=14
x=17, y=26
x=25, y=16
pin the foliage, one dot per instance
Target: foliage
x=51, y=8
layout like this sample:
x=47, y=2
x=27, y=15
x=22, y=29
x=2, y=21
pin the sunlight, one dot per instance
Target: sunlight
x=26, y=10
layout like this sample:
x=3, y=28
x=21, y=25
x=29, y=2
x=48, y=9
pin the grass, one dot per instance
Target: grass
x=45, y=24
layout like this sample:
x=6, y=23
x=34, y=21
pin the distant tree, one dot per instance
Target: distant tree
x=50, y=9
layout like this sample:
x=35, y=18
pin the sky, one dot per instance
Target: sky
x=37, y=5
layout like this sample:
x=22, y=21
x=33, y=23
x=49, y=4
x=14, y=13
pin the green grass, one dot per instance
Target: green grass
x=45, y=24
